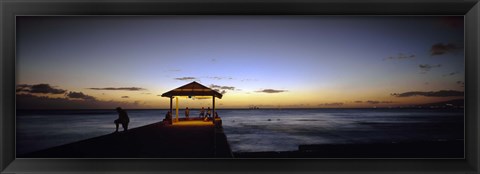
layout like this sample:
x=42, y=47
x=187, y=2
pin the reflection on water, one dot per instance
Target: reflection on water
x=255, y=130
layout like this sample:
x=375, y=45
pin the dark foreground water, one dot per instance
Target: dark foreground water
x=256, y=130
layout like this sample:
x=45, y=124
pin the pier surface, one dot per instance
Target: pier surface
x=187, y=139
x=200, y=139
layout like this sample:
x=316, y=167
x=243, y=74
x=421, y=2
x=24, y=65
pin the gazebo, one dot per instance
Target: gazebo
x=190, y=90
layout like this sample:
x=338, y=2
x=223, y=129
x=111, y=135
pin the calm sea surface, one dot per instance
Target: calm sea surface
x=255, y=130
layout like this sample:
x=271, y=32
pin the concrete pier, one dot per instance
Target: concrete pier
x=184, y=139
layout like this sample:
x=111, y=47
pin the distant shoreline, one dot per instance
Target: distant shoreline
x=450, y=104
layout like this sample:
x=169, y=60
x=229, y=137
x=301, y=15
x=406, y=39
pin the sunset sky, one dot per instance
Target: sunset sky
x=267, y=61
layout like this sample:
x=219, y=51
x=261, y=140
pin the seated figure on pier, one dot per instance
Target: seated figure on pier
x=209, y=112
x=168, y=118
x=122, y=119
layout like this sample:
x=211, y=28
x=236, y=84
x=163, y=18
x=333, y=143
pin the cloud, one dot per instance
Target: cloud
x=222, y=89
x=450, y=74
x=271, y=91
x=301, y=105
x=39, y=89
x=145, y=93
x=441, y=93
x=29, y=101
x=426, y=67
x=461, y=83
x=220, y=78
x=378, y=102
x=125, y=97
x=79, y=95
x=120, y=89
x=372, y=102
x=185, y=78
x=401, y=56
x=440, y=48
x=247, y=80
x=204, y=77
x=23, y=88
x=331, y=104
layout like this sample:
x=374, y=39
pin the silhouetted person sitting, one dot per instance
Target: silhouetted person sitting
x=168, y=117
x=209, y=113
x=216, y=115
x=122, y=119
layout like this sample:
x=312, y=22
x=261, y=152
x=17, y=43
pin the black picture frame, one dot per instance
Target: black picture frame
x=11, y=8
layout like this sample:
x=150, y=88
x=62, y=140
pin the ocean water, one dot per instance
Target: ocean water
x=255, y=130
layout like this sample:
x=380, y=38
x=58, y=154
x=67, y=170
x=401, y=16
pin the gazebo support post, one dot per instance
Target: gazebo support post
x=176, y=109
x=213, y=110
x=171, y=111
x=214, y=127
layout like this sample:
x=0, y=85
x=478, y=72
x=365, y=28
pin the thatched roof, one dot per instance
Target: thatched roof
x=192, y=89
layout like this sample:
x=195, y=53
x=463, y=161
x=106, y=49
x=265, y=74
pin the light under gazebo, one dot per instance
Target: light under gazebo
x=190, y=90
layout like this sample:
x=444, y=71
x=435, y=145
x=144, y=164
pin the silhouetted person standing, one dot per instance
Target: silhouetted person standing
x=122, y=119
x=202, y=112
x=187, y=112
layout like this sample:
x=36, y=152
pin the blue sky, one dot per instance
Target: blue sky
x=312, y=60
